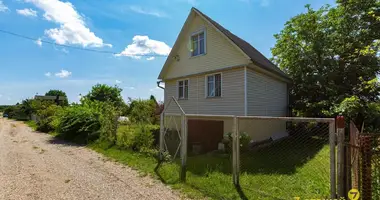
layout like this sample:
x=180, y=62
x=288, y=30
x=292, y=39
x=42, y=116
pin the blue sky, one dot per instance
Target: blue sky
x=129, y=28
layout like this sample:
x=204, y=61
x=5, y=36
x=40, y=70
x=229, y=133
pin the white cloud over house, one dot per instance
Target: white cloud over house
x=143, y=45
x=72, y=27
x=3, y=8
x=146, y=11
x=27, y=12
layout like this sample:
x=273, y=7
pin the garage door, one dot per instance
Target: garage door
x=204, y=135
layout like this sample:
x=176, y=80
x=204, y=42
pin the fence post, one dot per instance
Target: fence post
x=183, y=147
x=340, y=161
x=365, y=145
x=237, y=151
x=332, y=136
x=162, y=130
x=234, y=152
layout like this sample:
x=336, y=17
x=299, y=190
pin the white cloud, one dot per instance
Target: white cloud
x=3, y=8
x=28, y=12
x=63, y=74
x=72, y=29
x=153, y=89
x=48, y=74
x=142, y=45
x=150, y=58
x=145, y=11
x=130, y=88
x=118, y=82
x=39, y=42
x=1, y=95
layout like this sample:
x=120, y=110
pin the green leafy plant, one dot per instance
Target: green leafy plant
x=78, y=123
x=138, y=137
x=244, y=140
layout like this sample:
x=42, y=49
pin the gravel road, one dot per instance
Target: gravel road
x=35, y=166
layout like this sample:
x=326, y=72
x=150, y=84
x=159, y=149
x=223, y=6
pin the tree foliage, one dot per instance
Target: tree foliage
x=106, y=93
x=143, y=111
x=332, y=56
x=58, y=93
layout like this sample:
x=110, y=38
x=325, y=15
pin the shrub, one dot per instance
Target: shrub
x=245, y=140
x=138, y=137
x=87, y=122
x=78, y=123
x=46, y=117
x=143, y=111
x=108, y=116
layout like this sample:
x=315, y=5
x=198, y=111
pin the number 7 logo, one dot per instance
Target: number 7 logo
x=354, y=194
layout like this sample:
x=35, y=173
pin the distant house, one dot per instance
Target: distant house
x=212, y=71
x=57, y=99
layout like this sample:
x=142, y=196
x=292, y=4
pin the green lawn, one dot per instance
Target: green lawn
x=297, y=166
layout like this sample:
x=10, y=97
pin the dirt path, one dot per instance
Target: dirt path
x=33, y=166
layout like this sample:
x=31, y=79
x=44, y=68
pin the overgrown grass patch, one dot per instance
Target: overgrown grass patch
x=32, y=124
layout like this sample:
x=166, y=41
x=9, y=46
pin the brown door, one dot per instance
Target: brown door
x=205, y=134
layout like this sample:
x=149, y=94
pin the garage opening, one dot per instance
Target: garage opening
x=204, y=135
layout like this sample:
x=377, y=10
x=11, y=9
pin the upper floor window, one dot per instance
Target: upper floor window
x=183, y=89
x=214, y=85
x=198, y=42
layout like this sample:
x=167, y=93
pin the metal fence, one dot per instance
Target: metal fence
x=284, y=157
x=362, y=163
x=267, y=157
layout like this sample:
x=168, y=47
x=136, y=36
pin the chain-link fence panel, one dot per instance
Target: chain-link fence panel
x=285, y=158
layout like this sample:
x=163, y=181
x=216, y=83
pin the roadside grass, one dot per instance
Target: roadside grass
x=285, y=170
x=32, y=124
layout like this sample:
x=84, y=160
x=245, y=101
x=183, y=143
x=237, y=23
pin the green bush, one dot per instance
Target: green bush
x=143, y=111
x=138, y=137
x=87, y=122
x=46, y=117
x=108, y=115
x=78, y=123
x=245, y=140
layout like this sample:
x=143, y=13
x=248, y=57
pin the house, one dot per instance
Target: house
x=211, y=71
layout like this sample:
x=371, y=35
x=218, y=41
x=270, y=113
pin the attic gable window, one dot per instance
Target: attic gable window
x=198, y=41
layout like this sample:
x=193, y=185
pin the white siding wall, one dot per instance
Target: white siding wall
x=266, y=96
x=220, y=52
x=231, y=102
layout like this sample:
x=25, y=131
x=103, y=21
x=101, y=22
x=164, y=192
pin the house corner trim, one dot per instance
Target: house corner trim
x=245, y=92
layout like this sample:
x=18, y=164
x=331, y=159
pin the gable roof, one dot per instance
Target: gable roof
x=256, y=57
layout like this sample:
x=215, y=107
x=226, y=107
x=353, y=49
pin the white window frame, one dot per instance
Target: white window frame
x=221, y=85
x=188, y=84
x=205, y=42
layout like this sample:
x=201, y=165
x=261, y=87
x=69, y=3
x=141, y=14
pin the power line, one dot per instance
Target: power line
x=74, y=47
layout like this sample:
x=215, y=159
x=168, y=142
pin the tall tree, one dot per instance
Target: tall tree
x=332, y=54
x=58, y=93
x=106, y=93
